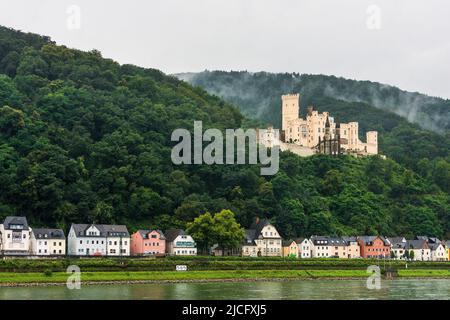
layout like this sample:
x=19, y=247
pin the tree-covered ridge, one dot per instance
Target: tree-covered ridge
x=84, y=139
x=258, y=93
x=258, y=96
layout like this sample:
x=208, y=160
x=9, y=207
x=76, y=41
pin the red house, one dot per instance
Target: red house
x=148, y=242
x=374, y=247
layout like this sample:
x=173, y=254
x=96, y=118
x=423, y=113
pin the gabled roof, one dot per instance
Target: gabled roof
x=350, y=239
x=287, y=243
x=368, y=240
x=399, y=245
x=45, y=233
x=249, y=236
x=144, y=234
x=434, y=246
x=106, y=230
x=15, y=220
x=299, y=240
x=336, y=241
x=172, y=234
x=396, y=240
x=317, y=240
x=258, y=225
x=416, y=244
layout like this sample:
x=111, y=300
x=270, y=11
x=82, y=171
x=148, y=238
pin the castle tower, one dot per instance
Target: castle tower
x=372, y=142
x=290, y=108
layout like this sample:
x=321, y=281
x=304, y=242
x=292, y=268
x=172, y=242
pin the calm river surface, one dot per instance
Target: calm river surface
x=298, y=289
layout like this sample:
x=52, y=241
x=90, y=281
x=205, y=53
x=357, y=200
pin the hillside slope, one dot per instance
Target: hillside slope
x=258, y=96
x=258, y=93
x=84, y=139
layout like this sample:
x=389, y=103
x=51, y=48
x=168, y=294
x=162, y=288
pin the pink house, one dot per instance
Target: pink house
x=148, y=242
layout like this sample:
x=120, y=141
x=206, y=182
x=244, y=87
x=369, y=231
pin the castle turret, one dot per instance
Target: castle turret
x=290, y=108
x=372, y=142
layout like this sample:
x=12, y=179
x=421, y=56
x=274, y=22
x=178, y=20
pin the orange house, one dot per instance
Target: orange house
x=374, y=247
x=148, y=242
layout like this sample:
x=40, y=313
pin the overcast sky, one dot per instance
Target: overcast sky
x=400, y=42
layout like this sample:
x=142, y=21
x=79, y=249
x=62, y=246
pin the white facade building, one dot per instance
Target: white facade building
x=420, y=248
x=98, y=240
x=178, y=243
x=438, y=252
x=304, y=248
x=15, y=236
x=262, y=239
x=48, y=242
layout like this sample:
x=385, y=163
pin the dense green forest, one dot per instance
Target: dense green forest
x=258, y=96
x=258, y=93
x=83, y=138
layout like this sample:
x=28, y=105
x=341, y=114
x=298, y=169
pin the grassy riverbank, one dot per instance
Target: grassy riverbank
x=206, y=264
x=61, y=277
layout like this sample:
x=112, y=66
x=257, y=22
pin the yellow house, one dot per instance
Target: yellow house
x=290, y=249
x=447, y=246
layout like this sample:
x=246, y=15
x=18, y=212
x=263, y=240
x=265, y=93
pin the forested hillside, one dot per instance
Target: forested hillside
x=427, y=152
x=84, y=139
x=258, y=93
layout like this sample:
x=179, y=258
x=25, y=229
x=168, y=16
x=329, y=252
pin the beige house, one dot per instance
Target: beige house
x=338, y=248
x=290, y=248
x=262, y=239
x=420, y=249
x=320, y=247
x=48, y=242
x=353, y=248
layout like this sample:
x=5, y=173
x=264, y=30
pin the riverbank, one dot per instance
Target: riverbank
x=59, y=278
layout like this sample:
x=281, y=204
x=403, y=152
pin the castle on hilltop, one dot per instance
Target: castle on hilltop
x=318, y=133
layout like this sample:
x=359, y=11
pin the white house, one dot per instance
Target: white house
x=48, y=242
x=398, y=245
x=178, y=243
x=420, y=248
x=304, y=248
x=262, y=239
x=438, y=251
x=15, y=236
x=98, y=240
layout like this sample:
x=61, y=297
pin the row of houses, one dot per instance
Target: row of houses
x=17, y=238
x=263, y=239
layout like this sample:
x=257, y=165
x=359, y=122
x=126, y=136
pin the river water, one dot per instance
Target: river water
x=296, y=290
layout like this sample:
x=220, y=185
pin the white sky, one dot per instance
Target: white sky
x=411, y=49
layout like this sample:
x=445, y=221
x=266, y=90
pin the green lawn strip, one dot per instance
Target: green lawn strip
x=206, y=275
x=417, y=273
x=173, y=275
